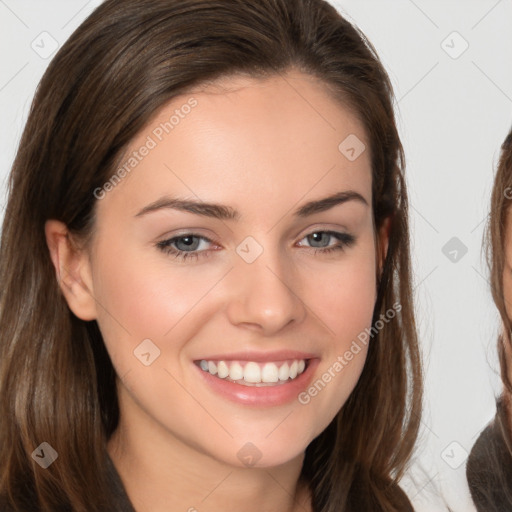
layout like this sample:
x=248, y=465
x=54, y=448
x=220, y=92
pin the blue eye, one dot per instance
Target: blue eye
x=188, y=242
x=186, y=246
x=344, y=240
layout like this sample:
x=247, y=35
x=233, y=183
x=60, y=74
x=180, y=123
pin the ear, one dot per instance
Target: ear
x=382, y=244
x=73, y=270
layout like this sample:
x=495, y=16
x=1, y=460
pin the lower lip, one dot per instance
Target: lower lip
x=264, y=395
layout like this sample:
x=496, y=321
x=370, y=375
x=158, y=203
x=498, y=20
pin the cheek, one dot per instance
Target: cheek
x=344, y=295
x=349, y=299
x=145, y=298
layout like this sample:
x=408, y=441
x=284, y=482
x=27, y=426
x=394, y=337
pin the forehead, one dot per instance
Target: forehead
x=283, y=136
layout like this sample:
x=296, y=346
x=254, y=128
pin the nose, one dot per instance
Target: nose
x=264, y=296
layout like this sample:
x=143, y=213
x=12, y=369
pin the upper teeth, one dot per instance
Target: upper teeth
x=252, y=372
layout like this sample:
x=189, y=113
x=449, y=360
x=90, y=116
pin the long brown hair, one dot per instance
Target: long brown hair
x=501, y=200
x=126, y=61
x=489, y=468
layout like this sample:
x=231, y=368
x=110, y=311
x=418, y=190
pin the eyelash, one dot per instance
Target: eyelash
x=345, y=240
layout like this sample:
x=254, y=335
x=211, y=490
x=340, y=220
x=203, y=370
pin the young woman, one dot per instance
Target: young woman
x=206, y=299
x=489, y=467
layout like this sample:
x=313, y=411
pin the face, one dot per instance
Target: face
x=507, y=278
x=220, y=320
x=507, y=267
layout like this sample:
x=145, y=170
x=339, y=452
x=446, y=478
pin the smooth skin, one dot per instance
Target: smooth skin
x=264, y=148
x=507, y=281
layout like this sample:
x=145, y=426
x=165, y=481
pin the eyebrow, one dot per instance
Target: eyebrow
x=223, y=212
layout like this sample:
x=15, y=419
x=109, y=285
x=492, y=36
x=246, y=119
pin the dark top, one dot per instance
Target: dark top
x=121, y=499
x=489, y=470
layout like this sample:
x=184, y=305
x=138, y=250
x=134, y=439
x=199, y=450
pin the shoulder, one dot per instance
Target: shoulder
x=489, y=470
x=118, y=498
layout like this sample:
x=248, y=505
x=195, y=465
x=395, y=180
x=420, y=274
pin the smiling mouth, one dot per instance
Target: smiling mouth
x=251, y=373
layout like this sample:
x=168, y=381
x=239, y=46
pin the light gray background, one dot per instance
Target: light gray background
x=454, y=110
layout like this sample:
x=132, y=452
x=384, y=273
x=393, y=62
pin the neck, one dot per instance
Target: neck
x=160, y=471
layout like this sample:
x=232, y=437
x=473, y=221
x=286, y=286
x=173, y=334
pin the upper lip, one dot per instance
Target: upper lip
x=259, y=357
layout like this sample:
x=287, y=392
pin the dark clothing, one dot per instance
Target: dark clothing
x=122, y=501
x=489, y=470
